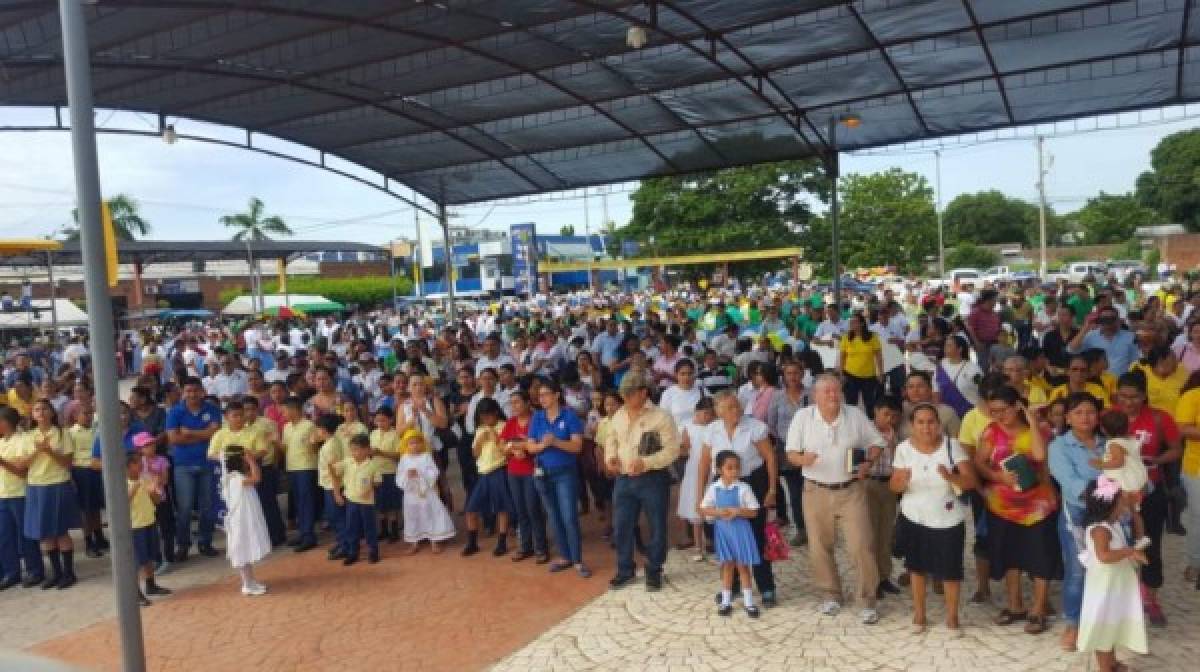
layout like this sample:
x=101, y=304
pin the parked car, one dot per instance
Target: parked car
x=997, y=274
x=1124, y=269
x=1079, y=270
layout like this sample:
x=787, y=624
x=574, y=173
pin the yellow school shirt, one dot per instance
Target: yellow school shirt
x=858, y=356
x=1109, y=382
x=267, y=436
x=1062, y=392
x=80, y=440
x=1042, y=384
x=349, y=430
x=141, y=506
x=359, y=479
x=491, y=455
x=247, y=437
x=1188, y=413
x=21, y=406
x=297, y=442
x=332, y=452
x=44, y=470
x=12, y=449
x=1163, y=393
x=973, y=424
x=387, y=445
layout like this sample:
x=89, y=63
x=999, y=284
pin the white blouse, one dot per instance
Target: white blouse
x=680, y=403
x=746, y=498
x=929, y=500
x=748, y=432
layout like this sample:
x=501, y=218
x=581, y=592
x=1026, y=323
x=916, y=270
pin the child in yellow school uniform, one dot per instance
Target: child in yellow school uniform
x=386, y=449
x=355, y=480
x=143, y=502
x=331, y=451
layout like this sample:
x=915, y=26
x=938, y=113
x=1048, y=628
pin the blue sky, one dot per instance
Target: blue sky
x=184, y=188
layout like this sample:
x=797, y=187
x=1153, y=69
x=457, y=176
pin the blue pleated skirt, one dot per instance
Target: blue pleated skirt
x=50, y=510
x=735, y=542
x=490, y=495
x=89, y=488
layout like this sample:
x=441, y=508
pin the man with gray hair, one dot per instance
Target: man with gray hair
x=642, y=443
x=836, y=445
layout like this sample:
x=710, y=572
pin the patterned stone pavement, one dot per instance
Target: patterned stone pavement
x=678, y=629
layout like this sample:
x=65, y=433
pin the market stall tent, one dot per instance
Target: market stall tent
x=42, y=316
x=308, y=303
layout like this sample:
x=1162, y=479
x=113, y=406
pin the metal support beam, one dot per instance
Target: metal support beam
x=832, y=167
x=448, y=259
x=887, y=58
x=987, y=52
x=76, y=62
x=1183, y=35
x=53, y=297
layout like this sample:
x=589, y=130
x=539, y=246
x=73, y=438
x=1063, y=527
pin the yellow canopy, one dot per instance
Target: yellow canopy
x=26, y=245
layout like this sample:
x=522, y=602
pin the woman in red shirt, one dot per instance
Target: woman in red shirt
x=1159, y=438
x=531, y=520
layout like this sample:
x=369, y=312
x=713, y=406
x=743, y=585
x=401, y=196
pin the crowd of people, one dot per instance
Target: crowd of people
x=1062, y=423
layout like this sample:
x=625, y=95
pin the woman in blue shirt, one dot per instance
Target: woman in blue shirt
x=556, y=436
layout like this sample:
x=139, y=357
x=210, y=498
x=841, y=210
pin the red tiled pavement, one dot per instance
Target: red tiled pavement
x=428, y=612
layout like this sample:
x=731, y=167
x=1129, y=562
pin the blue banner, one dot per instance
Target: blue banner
x=525, y=257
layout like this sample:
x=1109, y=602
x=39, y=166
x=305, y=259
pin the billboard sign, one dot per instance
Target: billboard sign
x=525, y=257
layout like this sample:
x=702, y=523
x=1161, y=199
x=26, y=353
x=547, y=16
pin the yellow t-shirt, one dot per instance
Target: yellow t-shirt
x=12, y=449
x=332, y=452
x=973, y=424
x=141, y=506
x=297, y=442
x=44, y=470
x=268, y=434
x=359, y=479
x=1062, y=392
x=858, y=356
x=1042, y=384
x=1163, y=393
x=491, y=454
x=1035, y=395
x=349, y=430
x=80, y=440
x=1188, y=413
x=248, y=437
x=21, y=406
x=388, y=450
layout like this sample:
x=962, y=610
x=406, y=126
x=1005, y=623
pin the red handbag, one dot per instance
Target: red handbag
x=776, y=547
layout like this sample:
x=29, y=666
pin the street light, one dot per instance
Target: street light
x=849, y=120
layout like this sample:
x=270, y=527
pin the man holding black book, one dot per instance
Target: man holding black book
x=836, y=445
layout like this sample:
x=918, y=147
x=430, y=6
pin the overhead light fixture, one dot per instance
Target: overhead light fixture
x=850, y=120
x=636, y=37
x=168, y=135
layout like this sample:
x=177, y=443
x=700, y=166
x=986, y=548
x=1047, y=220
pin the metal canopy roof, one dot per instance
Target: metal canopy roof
x=176, y=251
x=470, y=100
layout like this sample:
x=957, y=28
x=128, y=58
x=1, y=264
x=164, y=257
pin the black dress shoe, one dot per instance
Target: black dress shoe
x=51, y=582
x=888, y=587
x=209, y=552
x=181, y=554
x=306, y=546
x=350, y=560
x=653, y=583
x=373, y=558
x=769, y=599
x=9, y=582
x=752, y=611
x=31, y=581
x=67, y=581
x=295, y=542
x=336, y=553
x=620, y=581
x=157, y=590
x=724, y=609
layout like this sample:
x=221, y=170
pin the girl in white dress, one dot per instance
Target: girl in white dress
x=425, y=516
x=1112, y=603
x=246, y=535
x=694, y=436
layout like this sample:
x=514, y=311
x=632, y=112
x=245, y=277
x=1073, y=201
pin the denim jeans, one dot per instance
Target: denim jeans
x=268, y=495
x=632, y=495
x=304, y=494
x=559, y=489
x=531, y=519
x=336, y=517
x=868, y=388
x=360, y=524
x=14, y=546
x=193, y=489
x=1191, y=519
x=1073, y=572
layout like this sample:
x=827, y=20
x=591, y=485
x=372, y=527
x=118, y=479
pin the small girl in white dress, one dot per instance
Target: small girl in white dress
x=694, y=435
x=425, y=516
x=246, y=535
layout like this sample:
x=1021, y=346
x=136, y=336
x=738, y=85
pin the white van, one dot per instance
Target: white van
x=1079, y=270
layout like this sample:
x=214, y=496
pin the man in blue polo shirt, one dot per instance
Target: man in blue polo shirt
x=1102, y=330
x=190, y=425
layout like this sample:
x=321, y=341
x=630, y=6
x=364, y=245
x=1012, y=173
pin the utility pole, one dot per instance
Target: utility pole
x=937, y=168
x=1041, y=187
x=419, y=270
x=587, y=234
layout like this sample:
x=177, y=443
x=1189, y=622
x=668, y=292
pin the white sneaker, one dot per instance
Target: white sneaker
x=869, y=616
x=260, y=586
x=830, y=608
x=257, y=589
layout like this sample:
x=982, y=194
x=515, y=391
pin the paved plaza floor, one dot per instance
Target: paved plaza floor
x=452, y=613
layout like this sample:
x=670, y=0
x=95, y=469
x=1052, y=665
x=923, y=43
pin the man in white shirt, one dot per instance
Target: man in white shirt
x=492, y=357
x=230, y=382
x=830, y=330
x=821, y=440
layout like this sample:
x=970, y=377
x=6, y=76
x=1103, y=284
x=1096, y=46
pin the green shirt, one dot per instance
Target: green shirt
x=1081, y=306
x=806, y=326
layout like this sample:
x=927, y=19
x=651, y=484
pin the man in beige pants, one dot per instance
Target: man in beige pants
x=822, y=440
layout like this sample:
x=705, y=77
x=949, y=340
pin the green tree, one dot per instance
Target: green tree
x=1170, y=186
x=1112, y=218
x=888, y=218
x=747, y=208
x=970, y=255
x=990, y=217
x=567, y=230
x=253, y=225
x=127, y=221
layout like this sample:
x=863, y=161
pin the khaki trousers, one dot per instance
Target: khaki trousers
x=881, y=504
x=824, y=510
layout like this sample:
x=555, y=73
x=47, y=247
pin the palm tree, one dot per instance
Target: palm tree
x=127, y=222
x=253, y=226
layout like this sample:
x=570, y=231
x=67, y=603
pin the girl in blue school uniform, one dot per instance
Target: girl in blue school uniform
x=15, y=547
x=51, y=508
x=731, y=504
